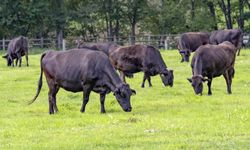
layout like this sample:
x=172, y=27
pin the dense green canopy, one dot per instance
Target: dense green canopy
x=62, y=18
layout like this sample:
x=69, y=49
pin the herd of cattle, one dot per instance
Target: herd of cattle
x=92, y=66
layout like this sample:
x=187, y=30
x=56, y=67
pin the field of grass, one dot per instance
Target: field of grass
x=162, y=117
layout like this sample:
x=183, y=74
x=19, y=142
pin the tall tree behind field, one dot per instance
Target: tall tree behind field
x=135, y=11
x=112, y=13
x=24, y=17
x=212, y=9
x=83, y=18
x=58, y=18
x=168, y=16
x=226, y=9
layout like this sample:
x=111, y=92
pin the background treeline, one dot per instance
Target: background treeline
x=115, y=18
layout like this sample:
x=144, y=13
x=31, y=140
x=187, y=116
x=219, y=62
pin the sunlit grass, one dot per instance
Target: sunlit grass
x=162, y=117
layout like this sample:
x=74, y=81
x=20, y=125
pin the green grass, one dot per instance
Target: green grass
x=162, y=117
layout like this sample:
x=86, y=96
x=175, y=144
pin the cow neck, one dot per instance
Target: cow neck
x=162, y=66
x=197, y=66
x=114, y=78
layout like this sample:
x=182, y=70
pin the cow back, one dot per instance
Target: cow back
x=192, y=40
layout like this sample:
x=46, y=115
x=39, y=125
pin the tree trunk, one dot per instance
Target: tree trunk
x=117, y=29
x=213, y=14
x=110, y=30
x=248, y=3
x=230, y=24
x=133, y=33
x=241, y=17
x=192, y=9
x=227, y=12
x=59, y=38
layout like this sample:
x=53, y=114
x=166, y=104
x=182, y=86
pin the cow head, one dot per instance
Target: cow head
x=9, y=61
x=197, y=83
x=8, y=58
x=167, y=77
x=123, y=94
x=185, y=54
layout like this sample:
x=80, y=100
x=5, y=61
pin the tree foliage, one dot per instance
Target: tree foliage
x=115, y=18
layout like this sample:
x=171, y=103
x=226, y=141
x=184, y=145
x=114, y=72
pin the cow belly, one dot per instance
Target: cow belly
x=129, y=68
x=71, y=86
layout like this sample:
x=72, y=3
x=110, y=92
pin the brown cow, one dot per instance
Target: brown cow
x=106, y=47
x=17, y=48
x=234, y=36
x=212, y=61
x=189, y=42
x=132, y=59
x=79, y=70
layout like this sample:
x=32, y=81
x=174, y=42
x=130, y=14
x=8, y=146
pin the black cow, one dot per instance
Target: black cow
x=234, y=36
x=82, y=70
x=132, y=59
x=17, y=48
x=212, y=61
x=189, y=42
x=106, y=47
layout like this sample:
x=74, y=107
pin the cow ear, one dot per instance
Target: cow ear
x=133, y=92
x=190, y=80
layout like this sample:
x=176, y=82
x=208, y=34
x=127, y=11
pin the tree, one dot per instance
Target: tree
x=135, y=11
x=58, y=19
x=226, y=9
x=22, y=17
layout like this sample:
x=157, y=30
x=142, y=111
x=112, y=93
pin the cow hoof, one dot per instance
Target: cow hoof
x=103, y=112
x=142, y=86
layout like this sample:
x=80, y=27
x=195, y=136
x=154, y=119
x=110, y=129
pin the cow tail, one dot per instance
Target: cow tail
x=40, y=82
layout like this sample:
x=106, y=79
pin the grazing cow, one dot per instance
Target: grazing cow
x=189, y=42
x=234, y=36
x=132, y=59
x=17, y=48
x=82, y=70
x=212, y=61
x=106, y=47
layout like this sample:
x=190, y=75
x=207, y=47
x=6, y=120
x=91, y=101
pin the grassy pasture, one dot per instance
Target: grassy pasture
x=162, y=117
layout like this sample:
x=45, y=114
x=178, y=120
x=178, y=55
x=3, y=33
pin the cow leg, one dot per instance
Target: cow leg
x=53, y=89
x=182, y=60
x=143, y=81
x=19, y=56
x=53, y=94
x=51, y=110
x=209, y=83
x=102, y=101
x=228, y=77
x=86, y=93
x=149, y=81
x=238, y=52
x=27, y=58
x=16, y=61
x=122, y=76
x=12, y=61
